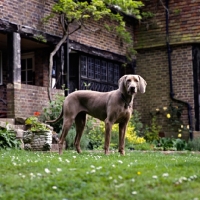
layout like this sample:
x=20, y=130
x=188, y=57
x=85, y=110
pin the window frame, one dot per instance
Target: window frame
x=94, y=73
x=28, y=56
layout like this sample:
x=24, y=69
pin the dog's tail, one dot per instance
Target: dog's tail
x=56, y=120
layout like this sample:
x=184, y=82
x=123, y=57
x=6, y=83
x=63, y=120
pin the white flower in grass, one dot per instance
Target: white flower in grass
x=54, y=187
x=99, y=168
x=110, y=177
x=113, y=165
x=119, y=161
x=165, y=175
x=47, y=170
x=134, y=192
x=120, y=177
x=14, y=163
x=74, y=156
x=23, y=176
x=67, y=161
x=59, y=169
x=38, y=174
x=60, y=159
x=133, y=180
x=93, y=171
x=92, y=166
x=154, y=177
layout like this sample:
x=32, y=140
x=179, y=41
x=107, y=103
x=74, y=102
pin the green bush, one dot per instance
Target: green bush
x=170, y=144
x=151, y=132
x=52, y=111
x=194, y=145
x=71, y=138
x=135, y=121
x=8, y=139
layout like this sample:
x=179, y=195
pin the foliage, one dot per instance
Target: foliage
x=135, y=121
x=194, y=144
x=71, y=138
x=35, y=124
x=8, y=139
x=78, y=12
x=93, y=130
x=151, y=132
x=172, y=117
x=171, y=144
x=92, y=175
x=52, y=111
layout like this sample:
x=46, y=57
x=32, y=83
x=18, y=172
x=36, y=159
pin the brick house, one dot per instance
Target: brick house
x=95, y=57
x=167, y=58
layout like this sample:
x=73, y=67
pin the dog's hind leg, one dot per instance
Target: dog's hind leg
x=80, y=121
x=65, y=128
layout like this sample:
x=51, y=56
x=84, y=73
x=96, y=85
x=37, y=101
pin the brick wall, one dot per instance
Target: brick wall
x=152, y=65
x=30, y=13
x=183, y=23
x=23, y=100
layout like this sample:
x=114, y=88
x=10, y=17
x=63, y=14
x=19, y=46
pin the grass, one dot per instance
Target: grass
x=94, y=176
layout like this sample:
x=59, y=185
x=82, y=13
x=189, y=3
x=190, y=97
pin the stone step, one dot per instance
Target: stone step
x=8, y=120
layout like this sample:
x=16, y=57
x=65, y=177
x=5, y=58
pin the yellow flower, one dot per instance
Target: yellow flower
x=179, y=135
x=138, y=173
x=168, y=116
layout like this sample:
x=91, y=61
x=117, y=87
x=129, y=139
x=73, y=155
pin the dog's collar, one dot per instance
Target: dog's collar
x=126, y=103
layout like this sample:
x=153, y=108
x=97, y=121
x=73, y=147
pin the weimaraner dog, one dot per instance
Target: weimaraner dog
x=111, y=107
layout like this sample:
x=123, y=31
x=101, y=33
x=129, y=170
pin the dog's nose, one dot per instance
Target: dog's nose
x=132, y=89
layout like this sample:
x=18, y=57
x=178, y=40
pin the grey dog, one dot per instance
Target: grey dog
x=111, y=107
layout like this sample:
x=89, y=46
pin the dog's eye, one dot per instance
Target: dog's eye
x=128, y=80
x=136, y=80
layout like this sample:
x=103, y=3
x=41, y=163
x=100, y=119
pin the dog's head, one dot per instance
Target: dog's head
x=130, y=84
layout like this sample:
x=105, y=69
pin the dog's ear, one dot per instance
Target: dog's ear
x=142, y=84
x=121, y=83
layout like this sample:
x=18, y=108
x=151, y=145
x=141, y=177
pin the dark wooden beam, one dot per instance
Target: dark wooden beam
x=97, y=52
x=30, y=33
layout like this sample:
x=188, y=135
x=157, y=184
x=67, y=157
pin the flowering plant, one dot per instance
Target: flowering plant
x=35, y=124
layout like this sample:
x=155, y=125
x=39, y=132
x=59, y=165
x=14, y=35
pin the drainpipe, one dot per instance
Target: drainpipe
x=169, y=51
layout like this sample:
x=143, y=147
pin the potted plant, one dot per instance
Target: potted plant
x=38, y=135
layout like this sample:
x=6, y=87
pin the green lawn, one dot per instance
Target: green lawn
x=94, y=176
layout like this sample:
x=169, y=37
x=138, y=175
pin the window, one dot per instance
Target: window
x=27, y=68
x=1, y=75
x=98, y=74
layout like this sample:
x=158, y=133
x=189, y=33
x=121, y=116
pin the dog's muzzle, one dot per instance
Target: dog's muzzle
x=132, y=90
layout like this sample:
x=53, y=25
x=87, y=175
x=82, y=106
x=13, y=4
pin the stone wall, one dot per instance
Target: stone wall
x=23, y=100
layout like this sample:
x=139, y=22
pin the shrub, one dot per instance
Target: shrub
x=8, y=139
x=71, y=138
x=152, y=132
x=171, y=144
x=194, y=145
x=52, y=111
x=135, y=121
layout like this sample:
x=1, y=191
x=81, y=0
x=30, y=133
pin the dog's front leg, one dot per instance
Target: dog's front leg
x=108, y=128
x=122, y=132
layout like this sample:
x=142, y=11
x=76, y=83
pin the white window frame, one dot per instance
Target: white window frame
x=27, y=56
x=1, y=71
